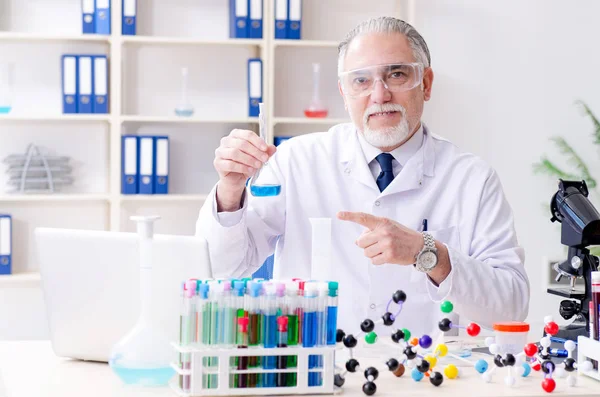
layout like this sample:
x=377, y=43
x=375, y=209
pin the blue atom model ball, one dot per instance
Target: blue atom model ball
x=481, y=366
x=416, y=375
x=527, y=371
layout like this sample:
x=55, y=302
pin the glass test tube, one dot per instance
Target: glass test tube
x=282, y=338
x=242, y=342
x=254, y=330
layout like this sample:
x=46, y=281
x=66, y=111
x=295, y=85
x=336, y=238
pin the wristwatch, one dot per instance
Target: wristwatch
x=427, y=259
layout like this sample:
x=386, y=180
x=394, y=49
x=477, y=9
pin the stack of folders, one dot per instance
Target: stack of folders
x=246, y=19
x=85, y=83
x=96, y=16
x=145, y=164
x=5, y=244
x=288, y=19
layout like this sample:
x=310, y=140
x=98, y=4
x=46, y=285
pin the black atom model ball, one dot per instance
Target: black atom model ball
x=499, y=361
x=367, y=326
x=392, y=364
x=424, y=366
x=569, y=364
x=350, y=341
x=509, y=360
x=399, y=296
x=339, y=335
x=436, y=379
x=410, y=353
x=351, y=365
x=371, y=372
x=445, y=325
x=388, y=319
x=339, y=380
x=369, y=388
x=398, y=336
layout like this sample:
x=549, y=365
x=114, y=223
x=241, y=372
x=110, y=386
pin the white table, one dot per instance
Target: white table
x=31, y=369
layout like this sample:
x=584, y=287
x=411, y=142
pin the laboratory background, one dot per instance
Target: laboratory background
x=515, y=83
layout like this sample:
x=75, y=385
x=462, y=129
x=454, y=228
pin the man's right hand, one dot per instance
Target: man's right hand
x=239, y=156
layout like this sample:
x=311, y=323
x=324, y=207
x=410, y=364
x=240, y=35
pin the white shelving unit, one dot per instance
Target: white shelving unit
x=144, y=88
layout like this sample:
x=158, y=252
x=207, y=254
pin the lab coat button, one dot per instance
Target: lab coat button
x=377, y=203
x=373, y=306
x=347, y=170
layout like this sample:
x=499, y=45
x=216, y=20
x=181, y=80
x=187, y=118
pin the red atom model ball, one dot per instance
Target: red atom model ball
x=548, y=385
x=473, y=329
x=530, y=349
x=551, y=328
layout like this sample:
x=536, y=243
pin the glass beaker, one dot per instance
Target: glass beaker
x=264, y=182
x=6, y=86
x=143, y=356
x=316, y=108
x=184, y=108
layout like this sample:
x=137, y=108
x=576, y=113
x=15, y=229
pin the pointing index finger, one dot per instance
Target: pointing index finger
x=362, y=218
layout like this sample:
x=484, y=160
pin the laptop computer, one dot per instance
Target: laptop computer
x=90, y=283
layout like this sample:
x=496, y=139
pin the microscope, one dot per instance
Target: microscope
x=580, y=228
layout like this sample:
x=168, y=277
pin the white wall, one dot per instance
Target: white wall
x=507, y=74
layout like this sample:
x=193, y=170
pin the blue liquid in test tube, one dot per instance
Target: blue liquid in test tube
x=267, y=186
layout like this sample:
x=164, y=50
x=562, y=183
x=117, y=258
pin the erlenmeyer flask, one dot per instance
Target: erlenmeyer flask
x=143, y=356
x=6, y=87
x=184, y=108
x=316, y=108
x=264, y=183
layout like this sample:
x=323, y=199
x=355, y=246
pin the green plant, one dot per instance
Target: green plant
x=579, y=169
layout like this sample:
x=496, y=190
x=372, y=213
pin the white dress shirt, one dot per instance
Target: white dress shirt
x=401, y=154
x=323, y=173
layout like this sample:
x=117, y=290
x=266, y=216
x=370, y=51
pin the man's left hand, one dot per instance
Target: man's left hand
x=387, y=241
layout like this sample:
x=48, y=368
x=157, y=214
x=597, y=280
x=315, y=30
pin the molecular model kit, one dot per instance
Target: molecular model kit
x=509, y=349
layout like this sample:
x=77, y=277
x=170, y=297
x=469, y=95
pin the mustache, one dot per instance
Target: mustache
x=381, y=108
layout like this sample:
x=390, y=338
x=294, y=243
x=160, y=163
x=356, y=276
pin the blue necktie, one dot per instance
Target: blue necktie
x=387, y=174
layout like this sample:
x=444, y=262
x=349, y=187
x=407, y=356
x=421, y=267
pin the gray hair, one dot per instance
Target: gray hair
x=387, y=25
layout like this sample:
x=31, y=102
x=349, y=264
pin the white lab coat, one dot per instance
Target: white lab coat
x=323, y=173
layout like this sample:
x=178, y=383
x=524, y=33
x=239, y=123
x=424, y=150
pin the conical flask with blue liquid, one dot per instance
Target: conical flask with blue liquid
x=264, y=183
x=143, y=356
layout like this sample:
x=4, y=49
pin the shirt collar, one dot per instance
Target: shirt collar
x=402, y=154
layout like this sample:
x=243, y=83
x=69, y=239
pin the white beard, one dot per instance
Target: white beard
x=388, y=136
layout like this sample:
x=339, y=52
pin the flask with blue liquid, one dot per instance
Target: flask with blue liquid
x=6, y=87
x=264, y=183
x=143, y=356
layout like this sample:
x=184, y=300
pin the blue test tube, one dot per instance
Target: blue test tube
x=310, y=326
x=332, y=309
x=321, y=329
x=269, y=316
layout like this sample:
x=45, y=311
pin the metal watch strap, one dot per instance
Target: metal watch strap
x=429, y=240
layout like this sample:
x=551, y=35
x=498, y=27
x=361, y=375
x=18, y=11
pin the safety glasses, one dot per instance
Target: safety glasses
x=396, y=77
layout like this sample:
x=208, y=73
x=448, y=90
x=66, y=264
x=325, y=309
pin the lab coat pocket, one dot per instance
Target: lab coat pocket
x=449, y=236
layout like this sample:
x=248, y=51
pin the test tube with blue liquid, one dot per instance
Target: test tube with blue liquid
x=264, y=183
x=269, y=331
x=332, y=309
x=321, y=329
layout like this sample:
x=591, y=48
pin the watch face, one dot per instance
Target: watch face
x=427, y=260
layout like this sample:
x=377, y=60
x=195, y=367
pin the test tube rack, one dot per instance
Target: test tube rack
x=588, y=349
x=223, y=371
